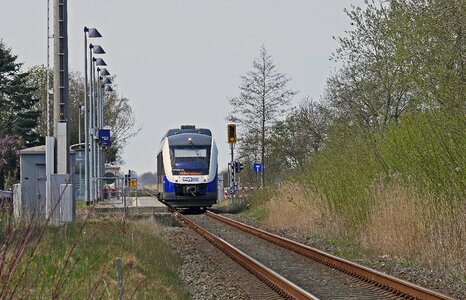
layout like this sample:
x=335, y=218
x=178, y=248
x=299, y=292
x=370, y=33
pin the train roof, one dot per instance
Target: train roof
x=188, y=129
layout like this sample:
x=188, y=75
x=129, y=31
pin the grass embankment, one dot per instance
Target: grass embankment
x=78, y=261
x=402, y=195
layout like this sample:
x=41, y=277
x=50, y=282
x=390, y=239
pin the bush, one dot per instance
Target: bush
x=428, y=151
x=342, y=174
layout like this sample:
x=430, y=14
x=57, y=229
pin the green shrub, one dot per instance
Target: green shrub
x=342, y=173
x=428, y=151
x=260, y=196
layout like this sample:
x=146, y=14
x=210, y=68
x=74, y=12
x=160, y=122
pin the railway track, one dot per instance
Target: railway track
x=306, y=273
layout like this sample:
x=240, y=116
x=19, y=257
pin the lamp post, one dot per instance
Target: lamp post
x=101, y=73
x=97, y=169
x=105, y=88
x=80, y=112
x=95, y=117
x=92, y=33
x=105, y=81
x=104, y=72
x=98, y=126
x=91, y=132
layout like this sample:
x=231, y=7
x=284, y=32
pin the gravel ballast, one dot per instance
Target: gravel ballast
x=209, y=274
x=428, y=278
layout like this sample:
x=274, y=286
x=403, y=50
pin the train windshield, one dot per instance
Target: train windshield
x=190, y=160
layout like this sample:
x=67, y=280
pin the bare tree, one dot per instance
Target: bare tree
x=264, y=99
x=119, y=115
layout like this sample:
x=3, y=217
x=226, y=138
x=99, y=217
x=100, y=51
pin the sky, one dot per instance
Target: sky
x=179, y=61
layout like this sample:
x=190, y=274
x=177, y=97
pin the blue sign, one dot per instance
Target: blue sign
x=104, y=137
x=257, y=168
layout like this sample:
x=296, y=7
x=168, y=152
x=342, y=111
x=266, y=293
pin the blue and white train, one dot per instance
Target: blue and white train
x=187, y=168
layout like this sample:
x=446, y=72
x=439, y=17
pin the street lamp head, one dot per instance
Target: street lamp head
x=99, y=61
x=107, y=81
x=104, y=72
x=108, y=88
x=98, y=50
x=93, y=33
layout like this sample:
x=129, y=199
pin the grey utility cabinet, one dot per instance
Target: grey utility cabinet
x=33, y=180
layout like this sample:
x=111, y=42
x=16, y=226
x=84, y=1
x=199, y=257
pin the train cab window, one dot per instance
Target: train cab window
x=190, y=160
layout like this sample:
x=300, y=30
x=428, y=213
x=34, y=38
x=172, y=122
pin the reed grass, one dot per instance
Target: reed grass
x=409, y=225
x=295, y=207
x=401, y=224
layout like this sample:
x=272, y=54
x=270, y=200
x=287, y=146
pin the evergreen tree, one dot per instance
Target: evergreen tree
x=18, y=105
x=18, y=112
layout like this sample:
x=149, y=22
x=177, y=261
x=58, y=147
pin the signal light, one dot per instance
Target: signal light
x=231, y=133
x=238, y=166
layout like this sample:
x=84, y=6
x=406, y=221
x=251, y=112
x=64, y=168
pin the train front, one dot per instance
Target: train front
x=190, y=163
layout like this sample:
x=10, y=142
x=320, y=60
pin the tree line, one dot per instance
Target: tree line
x=402, y=64
x=23, y=113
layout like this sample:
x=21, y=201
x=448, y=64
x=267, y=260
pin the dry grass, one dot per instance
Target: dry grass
x=393, y=224
x=403, y=225
x=295, y=207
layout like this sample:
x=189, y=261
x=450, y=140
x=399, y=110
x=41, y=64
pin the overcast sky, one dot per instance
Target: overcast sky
x=178, y=61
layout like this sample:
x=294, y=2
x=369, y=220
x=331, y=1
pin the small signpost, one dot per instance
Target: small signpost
x=109, y=178
x=132, y=183
x=257, y=168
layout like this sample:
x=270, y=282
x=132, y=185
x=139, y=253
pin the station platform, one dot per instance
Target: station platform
x=140, y=206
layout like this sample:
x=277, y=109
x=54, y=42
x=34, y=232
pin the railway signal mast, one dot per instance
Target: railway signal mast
x=231, y=131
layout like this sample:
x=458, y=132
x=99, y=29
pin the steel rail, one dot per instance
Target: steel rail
x=397, y=286
x=279, y=284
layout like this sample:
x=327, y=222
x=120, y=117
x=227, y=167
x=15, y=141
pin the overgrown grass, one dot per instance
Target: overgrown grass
x=402, y=194
x=258, y=200
x=78, y=260
x=413, y=226
x=401, y=224
x=341, y=175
